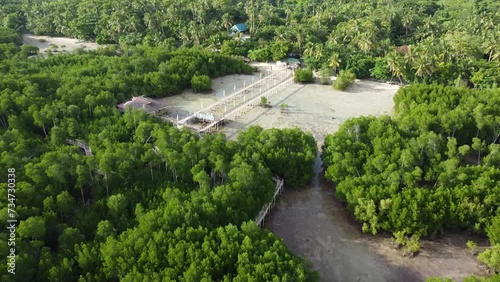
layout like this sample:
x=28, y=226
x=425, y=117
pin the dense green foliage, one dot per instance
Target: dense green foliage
x=380, y=70
x=201, y=83
x=303, y=75
x=435, y=166
x=344, y=80
x=289, y=152
x=8, y=35
x=491, y=257
x=427, y=41
x=152, y=202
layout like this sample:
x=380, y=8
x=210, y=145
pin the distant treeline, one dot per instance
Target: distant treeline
x=451, y=42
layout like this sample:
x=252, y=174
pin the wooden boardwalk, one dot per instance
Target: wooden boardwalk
x=266, y=209
x=238, y=102
x=238, y=111
x=81, y=144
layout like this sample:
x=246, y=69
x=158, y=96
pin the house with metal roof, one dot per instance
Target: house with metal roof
x=142, y=103
x=239, y=28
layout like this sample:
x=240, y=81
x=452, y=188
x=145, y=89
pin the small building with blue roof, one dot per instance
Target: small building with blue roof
x=239, y=28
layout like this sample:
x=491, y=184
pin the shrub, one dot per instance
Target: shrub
x=29, y=50
x=344, y=79
x=201, y=83
x=399, y=239
x=380, y=70
x=264, y=102
x=324, y=75
x=9, y=36
x=360, y=65
x=260, y=55
x=472, y=246
x=283, y=107
x=412, y=246
x=304, y=75
x=491, y=258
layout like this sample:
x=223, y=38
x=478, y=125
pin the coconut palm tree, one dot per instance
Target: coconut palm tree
x=300, y=37
x=226, y=21
x=334, y=62
x=395, y=63
x=491, y=44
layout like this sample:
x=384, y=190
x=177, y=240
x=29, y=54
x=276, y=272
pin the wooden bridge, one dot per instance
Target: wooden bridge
x=239, y=102
x=266, y=209
x=81, y=144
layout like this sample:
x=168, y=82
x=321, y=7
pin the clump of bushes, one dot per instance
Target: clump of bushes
x=360, y=65
x=344, y=79
x=201, y=83
x=380, y=71
x=304, y=75
x=262, y=54
x=8, y=35
x=411, y=246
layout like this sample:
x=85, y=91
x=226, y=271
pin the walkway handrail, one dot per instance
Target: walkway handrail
x=81, y=144
x=227, y=98
x=264, y=211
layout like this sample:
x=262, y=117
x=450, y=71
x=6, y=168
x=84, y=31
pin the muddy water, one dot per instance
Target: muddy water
x=315, y=225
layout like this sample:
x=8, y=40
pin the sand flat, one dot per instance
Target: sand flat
x=64, y=44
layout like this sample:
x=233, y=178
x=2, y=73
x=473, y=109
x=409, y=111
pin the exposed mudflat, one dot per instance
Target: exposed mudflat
x=316, y=225
x=313, y=224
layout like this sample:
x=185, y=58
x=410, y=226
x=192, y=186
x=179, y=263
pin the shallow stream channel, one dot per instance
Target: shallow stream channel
x=316, y=225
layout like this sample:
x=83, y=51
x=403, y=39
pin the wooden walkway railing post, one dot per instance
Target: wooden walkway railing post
x=266, y=209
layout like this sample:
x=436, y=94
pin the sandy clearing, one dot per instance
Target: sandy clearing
x=318, y=109
x=189, y=102
x=70, y=44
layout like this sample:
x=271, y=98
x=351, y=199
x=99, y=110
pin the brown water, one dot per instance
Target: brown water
x=315, y=225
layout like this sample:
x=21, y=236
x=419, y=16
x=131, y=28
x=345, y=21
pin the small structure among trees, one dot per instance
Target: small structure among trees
x=239, y=28
x=290, y=63
x=143, y=103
